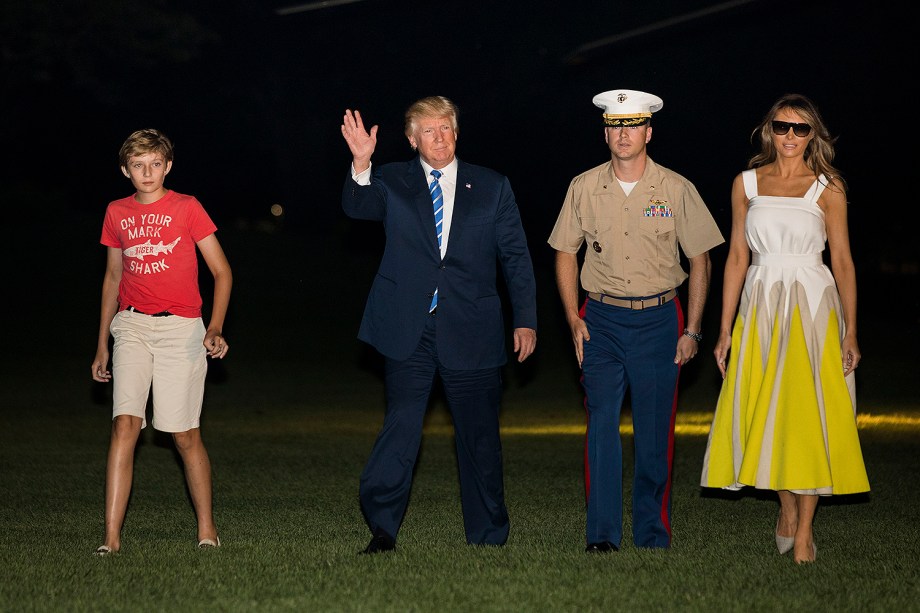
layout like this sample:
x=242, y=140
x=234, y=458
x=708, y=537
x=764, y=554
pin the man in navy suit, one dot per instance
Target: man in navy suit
x=434, y=310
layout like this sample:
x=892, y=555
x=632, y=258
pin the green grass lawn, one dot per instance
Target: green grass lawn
x=288, y=441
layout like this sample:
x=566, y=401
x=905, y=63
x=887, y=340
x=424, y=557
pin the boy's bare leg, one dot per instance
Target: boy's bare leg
x=198, y=476
x=118, y=476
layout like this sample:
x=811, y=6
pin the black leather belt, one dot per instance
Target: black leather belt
x=637, y=304
x=160, y=314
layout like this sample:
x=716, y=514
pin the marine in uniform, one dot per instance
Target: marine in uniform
x=633, y=217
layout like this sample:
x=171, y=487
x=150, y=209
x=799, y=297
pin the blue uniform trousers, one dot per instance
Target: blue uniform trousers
x=474, y=398
x=634, y=350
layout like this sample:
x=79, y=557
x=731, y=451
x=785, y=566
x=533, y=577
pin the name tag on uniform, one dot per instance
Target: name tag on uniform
x=658, y=208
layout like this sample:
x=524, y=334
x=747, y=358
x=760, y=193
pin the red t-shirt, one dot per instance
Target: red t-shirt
x=157, y=243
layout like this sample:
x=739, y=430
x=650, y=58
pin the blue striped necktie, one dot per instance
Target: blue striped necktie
x=437, y=199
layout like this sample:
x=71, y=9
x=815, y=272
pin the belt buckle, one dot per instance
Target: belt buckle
x=632, y=304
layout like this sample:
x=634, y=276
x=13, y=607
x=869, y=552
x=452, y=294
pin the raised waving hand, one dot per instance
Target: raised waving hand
x=361, y=142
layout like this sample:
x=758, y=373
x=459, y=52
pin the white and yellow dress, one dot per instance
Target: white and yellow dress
x=786, y=416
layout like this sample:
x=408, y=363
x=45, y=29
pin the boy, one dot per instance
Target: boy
x=151, y=305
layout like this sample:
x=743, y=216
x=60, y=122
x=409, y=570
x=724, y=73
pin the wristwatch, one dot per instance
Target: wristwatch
x=697, y=336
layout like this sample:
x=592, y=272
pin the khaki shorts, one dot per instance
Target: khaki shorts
x=167, y=354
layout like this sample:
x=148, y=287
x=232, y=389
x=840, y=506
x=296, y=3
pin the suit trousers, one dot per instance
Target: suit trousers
x=474, y=398
x=631, y=350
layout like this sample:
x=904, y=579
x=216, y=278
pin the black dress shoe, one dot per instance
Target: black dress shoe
x=601, y=547
x=380, y=542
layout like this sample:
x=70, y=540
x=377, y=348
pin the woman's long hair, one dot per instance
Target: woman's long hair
x=819, y=153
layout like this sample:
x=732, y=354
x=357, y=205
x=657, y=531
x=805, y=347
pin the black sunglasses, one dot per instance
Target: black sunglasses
x=781, y=128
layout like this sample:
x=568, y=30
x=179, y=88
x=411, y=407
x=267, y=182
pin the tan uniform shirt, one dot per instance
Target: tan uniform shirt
x=632, y=240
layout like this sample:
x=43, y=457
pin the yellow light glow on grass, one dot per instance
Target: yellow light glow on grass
x=687, y=424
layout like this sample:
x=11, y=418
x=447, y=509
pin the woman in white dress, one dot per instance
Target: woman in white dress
x=786, y=415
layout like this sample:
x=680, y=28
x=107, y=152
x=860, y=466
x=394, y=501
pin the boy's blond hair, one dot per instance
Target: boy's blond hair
x=145, y=141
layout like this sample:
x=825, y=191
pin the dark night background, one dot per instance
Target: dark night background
x=253, y=100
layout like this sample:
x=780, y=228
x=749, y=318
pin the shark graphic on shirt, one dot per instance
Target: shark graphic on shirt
x=144, y=249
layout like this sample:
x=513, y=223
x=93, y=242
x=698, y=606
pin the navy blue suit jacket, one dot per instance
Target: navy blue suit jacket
x=485, y=230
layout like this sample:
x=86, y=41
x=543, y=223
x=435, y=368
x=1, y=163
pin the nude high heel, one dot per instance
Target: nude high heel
x=814, y=555
x=784, y=544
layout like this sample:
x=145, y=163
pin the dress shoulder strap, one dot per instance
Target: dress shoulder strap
x=817, y=188
x=749, y=177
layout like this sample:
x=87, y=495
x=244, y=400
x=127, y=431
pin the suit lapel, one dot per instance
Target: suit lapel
x=463, y=203
x=417, y=190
